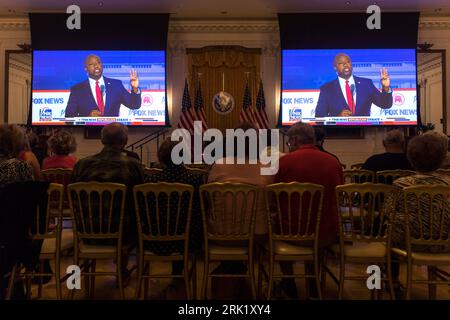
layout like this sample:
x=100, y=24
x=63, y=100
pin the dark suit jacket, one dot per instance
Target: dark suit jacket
x=332, y=101
x=82, y=102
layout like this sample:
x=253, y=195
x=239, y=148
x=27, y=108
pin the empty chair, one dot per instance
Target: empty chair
x=163, y=212
x=228, y=211
x=60, y=176
x=364, y=230
x=98, y=212
x=294, y=220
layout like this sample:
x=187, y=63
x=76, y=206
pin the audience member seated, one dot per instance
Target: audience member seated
x=12, y=139
x=445, y=141
x=174, y=173
x=306, y=163
x=111, y=165
x=61, y=145
x=18, y=175
x=29, y=157
x=426, y=154
x=320, y=139
x=38, y=145
x=394, y=157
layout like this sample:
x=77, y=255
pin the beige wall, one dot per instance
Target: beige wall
x=253, y=34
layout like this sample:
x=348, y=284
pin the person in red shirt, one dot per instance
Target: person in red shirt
x=306, y=163
x=61, y=145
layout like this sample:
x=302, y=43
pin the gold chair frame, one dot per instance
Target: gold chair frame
x=303, y=244
x=435, y=197
x=365, y=225
x=83, y=228
x=231, y=238
x=144, y=257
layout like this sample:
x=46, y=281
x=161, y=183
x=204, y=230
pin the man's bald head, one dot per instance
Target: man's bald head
x=115, y=135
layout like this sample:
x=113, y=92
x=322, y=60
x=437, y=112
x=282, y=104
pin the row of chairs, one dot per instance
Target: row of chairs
x=384, y=176
x=163, y=212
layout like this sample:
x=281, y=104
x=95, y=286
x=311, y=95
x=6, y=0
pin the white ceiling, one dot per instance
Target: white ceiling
x=223, y=9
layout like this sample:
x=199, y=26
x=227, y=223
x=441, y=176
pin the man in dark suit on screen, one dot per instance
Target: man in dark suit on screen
x=349, y=95
x=101, y=96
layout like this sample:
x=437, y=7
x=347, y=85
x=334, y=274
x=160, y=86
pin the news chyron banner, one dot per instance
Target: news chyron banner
x=307, y=71
x=301, y=105
x=55, y=73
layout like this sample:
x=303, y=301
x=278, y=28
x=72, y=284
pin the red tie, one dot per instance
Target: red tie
x=98, y=94
x=348, y=92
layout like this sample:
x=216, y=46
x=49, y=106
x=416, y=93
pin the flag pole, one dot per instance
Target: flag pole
x=223, y=81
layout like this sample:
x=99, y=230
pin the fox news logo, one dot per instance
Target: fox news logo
x=295, y=114
x=45, y=114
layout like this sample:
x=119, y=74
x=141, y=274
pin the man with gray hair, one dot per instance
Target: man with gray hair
x=111, y=164
x=306, y=163
x=394, y=157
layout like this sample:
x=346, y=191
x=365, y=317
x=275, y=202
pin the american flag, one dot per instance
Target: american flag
x=187, y=116
x=246, y=114
x=261, y=116
x=199, y=107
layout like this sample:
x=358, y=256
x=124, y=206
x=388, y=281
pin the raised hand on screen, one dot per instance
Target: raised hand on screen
x=385, y=81
x=134, y=80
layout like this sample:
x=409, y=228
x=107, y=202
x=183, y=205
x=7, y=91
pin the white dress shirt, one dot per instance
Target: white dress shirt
x=101, y=82
x=351, y=81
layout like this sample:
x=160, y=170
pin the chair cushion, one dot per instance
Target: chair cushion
x=424, y=256
x=362, y=249
x=218, y=249
x=49, y=245
x=285, y=248
x=97, y=249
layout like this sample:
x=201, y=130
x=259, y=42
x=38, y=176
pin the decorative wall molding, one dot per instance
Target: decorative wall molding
x=433, y=23
x=221, y=26
x=232, y=26
x=435, y=64
x=19, y=66
x=14, y=24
